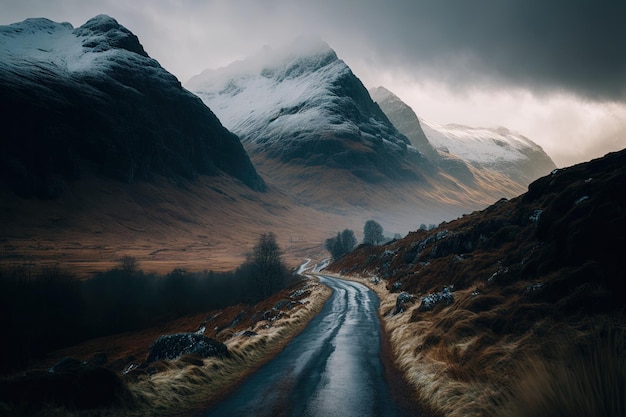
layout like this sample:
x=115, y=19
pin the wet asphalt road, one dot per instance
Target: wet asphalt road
x=331, y=369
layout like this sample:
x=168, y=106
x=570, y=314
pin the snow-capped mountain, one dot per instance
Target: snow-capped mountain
x=92, y=97
x=498, y=149
x=455, y=146
x=302, y=104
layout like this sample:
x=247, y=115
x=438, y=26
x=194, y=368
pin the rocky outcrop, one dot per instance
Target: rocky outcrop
x=169, y=347
x=430, y=301
x=403, y=300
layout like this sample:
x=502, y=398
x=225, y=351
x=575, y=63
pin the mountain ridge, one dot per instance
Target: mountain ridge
x=457, y=148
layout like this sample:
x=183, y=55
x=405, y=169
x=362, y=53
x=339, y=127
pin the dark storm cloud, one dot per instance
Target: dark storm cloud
x=577, y=46
x=573, y=45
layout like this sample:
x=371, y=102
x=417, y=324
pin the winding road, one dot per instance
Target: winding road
x=332, y=368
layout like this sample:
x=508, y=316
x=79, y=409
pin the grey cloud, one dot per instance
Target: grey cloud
x=573, y=45
x=577, y=46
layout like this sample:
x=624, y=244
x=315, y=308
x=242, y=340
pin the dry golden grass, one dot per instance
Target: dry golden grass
x=183, y=387
x=466, y=363
x=586, y=380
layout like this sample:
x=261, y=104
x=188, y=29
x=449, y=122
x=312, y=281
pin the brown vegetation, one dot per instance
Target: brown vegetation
x=534, y=279
x=181, y=386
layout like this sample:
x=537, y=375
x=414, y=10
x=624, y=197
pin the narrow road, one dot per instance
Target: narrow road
x=332, y=368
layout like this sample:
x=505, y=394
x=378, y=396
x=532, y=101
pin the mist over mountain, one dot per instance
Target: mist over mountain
x=302, y=105
x=455, y=147
x=90, y=99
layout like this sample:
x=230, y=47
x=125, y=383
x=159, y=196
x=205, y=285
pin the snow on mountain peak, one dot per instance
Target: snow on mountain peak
x=303, y=102
x=104, y=32
x=479, y=144
x=276, y=91
x=63, y=49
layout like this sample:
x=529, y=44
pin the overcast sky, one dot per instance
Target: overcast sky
x=553, y=70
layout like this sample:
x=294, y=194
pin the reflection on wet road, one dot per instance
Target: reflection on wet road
x=332, y=368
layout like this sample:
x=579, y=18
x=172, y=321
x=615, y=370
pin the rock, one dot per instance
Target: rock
x=403, y=299
x=299, y=293
x=175, y=345
x=430, y=301
x=272, y=315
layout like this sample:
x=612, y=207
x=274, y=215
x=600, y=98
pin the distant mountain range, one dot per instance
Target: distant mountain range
x=92, y=96
x=454, y=147
x=309, y=123
x=117, y=145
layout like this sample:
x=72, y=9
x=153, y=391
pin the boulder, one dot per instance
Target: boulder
x=174, y=346
x=402, y=301
x=431, y=300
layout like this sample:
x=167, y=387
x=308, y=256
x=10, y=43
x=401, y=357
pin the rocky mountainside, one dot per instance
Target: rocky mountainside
x=404, y=118
x=455, y=147
x=90, y=99
x=537, y=278
x=303, y=105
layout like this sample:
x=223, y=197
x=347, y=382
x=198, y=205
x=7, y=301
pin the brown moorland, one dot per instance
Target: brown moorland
x=210, y=223
x=517, y=309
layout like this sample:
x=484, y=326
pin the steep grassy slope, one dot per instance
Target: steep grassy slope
x=527, y=293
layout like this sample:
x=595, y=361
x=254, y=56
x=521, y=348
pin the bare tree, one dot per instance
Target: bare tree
x=373, y=233
x=269, y=272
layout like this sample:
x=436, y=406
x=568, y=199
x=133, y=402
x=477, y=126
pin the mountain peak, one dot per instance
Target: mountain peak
x=104, y=32
x=302, y=55
x=380, y=93
x=302, y=103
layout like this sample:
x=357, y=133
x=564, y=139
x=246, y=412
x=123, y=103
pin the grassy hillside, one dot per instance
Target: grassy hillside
x=517, y=309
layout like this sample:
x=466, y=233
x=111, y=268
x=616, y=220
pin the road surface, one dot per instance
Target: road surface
x=332, y=368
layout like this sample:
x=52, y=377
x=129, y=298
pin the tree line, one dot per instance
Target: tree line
x=345, y=241
x=47, y=308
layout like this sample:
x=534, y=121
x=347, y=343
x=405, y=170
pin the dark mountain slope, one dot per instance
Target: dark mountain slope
x=91, y=98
